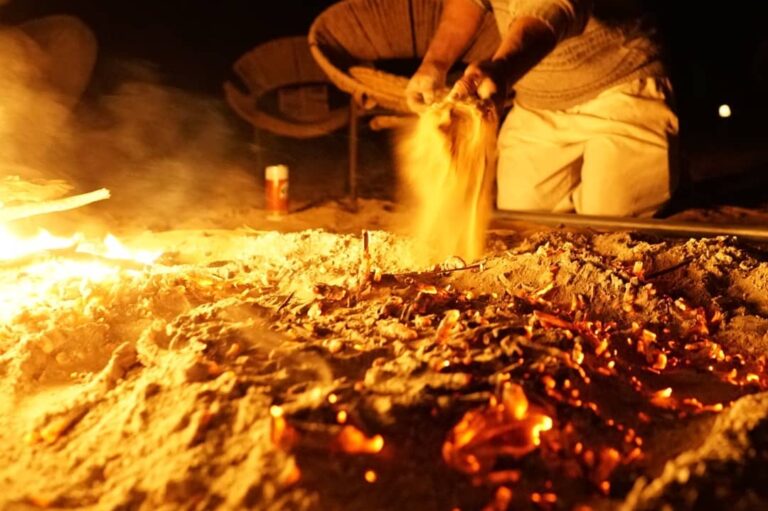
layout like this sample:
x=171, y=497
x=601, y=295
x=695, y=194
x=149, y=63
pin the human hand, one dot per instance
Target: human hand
x=425, y=86
x=482, y=80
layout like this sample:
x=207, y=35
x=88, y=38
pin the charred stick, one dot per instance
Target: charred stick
x=670, y=269
x=285, y=302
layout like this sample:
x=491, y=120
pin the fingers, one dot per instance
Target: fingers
x=420, y=93
x=475, y=83
x=428, y=95
x=415, y=101
x=427, y=86
x=487, y=88
x=465, y=87
x=461, y=90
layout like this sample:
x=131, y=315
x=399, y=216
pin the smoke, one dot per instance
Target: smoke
x=30, y=115
x=170, y=158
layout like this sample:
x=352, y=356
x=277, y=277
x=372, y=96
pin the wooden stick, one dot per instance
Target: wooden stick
x=12, y=213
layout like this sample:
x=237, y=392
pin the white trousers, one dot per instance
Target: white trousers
x=608, y=156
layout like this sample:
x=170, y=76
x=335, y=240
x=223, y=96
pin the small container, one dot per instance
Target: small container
x=276, y=191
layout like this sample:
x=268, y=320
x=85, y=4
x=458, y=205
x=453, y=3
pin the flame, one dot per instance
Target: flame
x=44, y=269
x=114, y=249
x=12, y=247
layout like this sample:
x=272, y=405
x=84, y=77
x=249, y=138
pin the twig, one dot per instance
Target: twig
x=12, y=213
x=670, y=269
x=364, y=270
x=285, y=302
x=431, y=273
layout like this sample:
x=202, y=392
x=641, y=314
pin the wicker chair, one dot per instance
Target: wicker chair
x=283, y=65
x=349, y=39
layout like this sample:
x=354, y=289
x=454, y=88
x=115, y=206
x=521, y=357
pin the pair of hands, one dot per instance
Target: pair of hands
x=482, y=80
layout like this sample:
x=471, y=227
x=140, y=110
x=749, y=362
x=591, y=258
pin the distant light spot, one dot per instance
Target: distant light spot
x=724, y=111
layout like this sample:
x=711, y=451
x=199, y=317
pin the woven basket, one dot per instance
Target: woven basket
x=284, y=63
x=350, y=37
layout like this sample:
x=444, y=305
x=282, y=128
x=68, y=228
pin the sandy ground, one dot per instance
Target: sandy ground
x=156, y=387
x=277, y=364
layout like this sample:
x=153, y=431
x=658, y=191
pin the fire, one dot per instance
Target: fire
x=112, y=248
x=47, y=260
x=13, y=247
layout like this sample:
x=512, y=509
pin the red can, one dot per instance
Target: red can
x=276, y=190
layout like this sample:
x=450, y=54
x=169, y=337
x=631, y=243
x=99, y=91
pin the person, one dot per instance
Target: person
x=592, y=127
x=47, y=65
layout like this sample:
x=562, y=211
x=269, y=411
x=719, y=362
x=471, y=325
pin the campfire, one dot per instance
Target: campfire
x=318, y=371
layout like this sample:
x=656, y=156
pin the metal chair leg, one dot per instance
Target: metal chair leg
x=353, y=152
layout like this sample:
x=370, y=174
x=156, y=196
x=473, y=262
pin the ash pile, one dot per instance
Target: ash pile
x=313, y=370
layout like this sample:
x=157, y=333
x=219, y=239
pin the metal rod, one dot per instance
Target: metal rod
x=612, y=223
x=353, y=146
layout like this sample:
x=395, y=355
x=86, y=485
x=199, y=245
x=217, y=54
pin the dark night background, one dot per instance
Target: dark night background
x=718, y=53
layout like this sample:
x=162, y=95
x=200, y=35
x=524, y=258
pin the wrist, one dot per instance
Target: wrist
x=433, y=67
x=500, y=67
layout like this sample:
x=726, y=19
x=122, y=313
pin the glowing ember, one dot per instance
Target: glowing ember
x=663, y=398
x=353, y=441
x=510, y=428
x=501, y=500
x=283, y=434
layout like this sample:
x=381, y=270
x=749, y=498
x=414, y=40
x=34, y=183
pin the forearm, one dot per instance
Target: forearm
x=527, y=41
x=537, y=29
x=459, y=23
